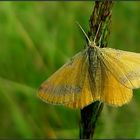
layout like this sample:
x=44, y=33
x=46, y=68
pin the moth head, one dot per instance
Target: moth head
x=90, y=43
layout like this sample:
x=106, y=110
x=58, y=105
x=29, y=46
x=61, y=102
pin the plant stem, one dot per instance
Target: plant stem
x=101, y=16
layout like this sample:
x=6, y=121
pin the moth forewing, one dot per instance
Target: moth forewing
x=66, y=84
x=125, y=66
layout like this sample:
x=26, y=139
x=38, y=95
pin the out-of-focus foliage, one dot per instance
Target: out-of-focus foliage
x=36, y=38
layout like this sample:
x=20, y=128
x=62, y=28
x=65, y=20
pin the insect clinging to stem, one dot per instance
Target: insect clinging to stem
x=105, y=74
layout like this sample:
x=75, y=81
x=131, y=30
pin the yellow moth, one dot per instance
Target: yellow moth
x=95, y=73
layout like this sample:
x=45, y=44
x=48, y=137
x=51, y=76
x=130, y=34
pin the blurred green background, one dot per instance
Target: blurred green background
x=36, y=38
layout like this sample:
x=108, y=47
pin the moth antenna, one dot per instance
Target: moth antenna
x=100, y=40
x=83, y=32
x=97, y=33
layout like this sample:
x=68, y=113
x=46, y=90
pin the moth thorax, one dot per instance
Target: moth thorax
x=92, y=57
